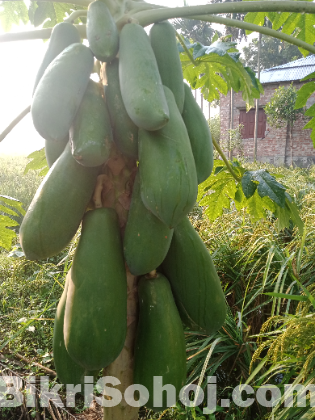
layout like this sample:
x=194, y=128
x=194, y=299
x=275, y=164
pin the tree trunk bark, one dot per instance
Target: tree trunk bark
x=122, y=367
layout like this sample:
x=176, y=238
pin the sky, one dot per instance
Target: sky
x=18, y=67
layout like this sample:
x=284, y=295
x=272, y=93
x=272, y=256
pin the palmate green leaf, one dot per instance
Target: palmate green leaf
x=7, y=235
x=216, y=70
x=12, y=13
x=266, y=184
x=258, y=192
x=12, y=202
x=38, y=161
x=299, y=25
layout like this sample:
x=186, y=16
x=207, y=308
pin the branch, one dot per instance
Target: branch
x=36, y=34
x=153, y=16
x=83, y=3
x=256, y=28
x=227, y=163
x=75, y=15
x=14, y=123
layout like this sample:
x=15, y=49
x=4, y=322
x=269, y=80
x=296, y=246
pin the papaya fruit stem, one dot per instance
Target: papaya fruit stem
x=225, y=160
x=14, y=123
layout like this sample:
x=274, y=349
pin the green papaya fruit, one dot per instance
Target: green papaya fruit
x=199, y=135
x=91, y=133
x=101, y=31
x=96, y=309
x=167, y=168
x=160, y=348
x=62, y=35
x=53, y=150
x=140, y=80
x=57, y=208
x=67, y=370
x=60, y=90
x=194, y=280
x=163, y=41
x=124, y=130
x=146, y=239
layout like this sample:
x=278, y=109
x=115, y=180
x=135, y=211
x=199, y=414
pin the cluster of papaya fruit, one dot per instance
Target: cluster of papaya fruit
x=150, y=115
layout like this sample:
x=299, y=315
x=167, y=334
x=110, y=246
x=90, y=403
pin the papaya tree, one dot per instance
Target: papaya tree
x=126, y=155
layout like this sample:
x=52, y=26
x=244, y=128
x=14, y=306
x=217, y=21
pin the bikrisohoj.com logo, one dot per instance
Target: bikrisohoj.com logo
x=13, y=394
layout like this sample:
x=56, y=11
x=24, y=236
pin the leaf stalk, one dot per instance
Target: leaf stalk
x=227, y=163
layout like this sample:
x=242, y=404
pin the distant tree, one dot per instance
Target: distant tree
x=280, y=111
x=196, y=30
x=274, y=52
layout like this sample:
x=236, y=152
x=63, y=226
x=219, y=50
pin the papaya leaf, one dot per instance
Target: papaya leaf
x=304, y=93
x=38, y=161
x=12, y=202
x=299, y=25
x=12, y=13
x=267, y=186
x=216, y=69
x=258, y=192
x=7, y=235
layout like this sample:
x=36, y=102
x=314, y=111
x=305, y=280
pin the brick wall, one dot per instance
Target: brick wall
x=272, y=148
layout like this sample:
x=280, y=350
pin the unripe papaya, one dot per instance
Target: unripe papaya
x=160, y=348
x=140, y=80
x=199, y=135
x=67, y=370
x=53, y=150
x=62, y=35
x=96, y=308
x=101, y=31
x=91, y=133
x=167, y=168
x=146, y=239
x=124, y=130
x=60, y=90
x=57, y=208
x=163, y=41
x=194, y=280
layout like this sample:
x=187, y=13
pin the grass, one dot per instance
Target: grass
x=14, y=183
x=251, y=259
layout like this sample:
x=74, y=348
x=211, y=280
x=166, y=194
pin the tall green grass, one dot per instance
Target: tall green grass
x=14, y=183
x=253, y=260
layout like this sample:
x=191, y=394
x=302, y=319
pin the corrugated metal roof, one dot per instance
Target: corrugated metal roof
x=295, y=70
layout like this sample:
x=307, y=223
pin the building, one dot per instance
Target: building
x=272, y=144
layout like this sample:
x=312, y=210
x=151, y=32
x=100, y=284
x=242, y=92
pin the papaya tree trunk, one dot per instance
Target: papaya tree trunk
x=122, y=367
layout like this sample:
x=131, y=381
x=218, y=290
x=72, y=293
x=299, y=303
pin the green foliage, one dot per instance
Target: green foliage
x=256, y=191
x=303, y=95
x=8, y=205
x=274, y=52
x=217, y=68
x=12, y=13
x=48, y=12
x=196, y=30
x=280, y=110
x=215, y=127
x=299, y=25
x=38, y=161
